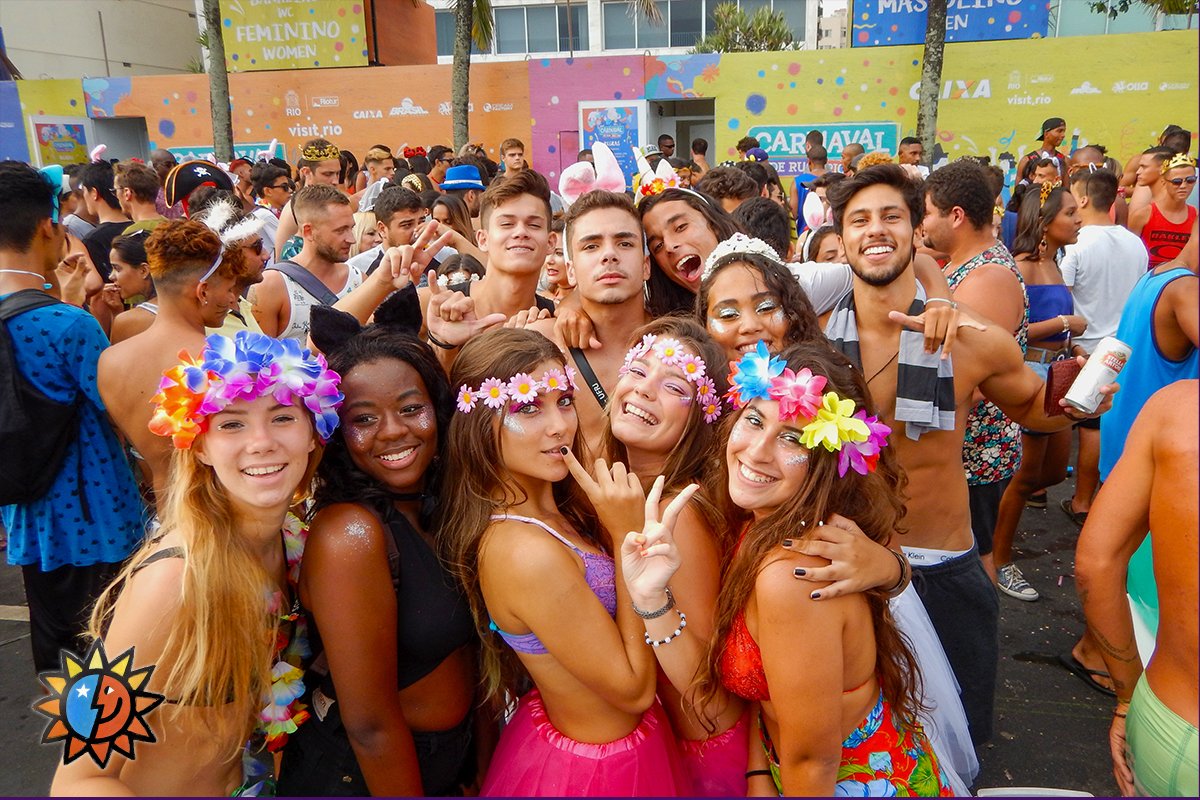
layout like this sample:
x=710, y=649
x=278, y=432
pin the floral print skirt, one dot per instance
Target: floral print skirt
x=880, y=758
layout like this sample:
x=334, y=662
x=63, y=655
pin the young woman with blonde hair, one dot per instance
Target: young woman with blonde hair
x=210, y=601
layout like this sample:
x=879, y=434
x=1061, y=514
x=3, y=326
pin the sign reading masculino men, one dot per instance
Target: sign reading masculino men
x=890, y=22
x=293, y=34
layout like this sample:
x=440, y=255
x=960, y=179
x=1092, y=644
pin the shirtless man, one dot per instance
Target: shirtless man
x=320, y=163
x=1154, y=487
x=1148, y=184
x=281, y=304
x=181, y=255
x=877, y=212
x=604, y=249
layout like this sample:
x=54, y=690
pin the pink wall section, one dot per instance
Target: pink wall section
x=558, y=85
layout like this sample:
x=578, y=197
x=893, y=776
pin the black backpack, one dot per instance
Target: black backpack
x=35, y=431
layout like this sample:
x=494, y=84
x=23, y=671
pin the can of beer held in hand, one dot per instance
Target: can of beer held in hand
x=1102, y=368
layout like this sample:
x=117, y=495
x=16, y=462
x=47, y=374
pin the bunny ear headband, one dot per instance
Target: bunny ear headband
x=332, y=329
x=814, y=212
x=269, y=153
x=583, y=177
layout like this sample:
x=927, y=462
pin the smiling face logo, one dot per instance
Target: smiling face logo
x=96, y=706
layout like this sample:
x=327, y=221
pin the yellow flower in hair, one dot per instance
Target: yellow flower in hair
x=834, y=424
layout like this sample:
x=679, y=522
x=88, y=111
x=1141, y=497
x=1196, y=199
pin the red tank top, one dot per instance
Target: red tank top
x=1164, y=239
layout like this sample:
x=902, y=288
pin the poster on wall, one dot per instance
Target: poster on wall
x=890, y=22
x=619, y=124
x=293, y=34
x=785, y=143
x=60, y=143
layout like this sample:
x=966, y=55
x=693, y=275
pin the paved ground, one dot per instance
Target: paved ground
x=1051, y=729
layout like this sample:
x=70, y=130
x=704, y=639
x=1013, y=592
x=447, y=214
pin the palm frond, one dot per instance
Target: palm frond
x=483, y=24
x=647, y=9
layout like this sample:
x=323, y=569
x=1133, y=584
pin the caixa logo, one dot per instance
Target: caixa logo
x=1130, y=86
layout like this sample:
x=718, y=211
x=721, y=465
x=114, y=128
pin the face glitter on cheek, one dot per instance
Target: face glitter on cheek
x=424, y=421
x=797, y=460
x=718, y=326
x=513, y=424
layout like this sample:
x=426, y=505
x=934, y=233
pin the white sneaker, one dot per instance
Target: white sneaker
x=1010, y=581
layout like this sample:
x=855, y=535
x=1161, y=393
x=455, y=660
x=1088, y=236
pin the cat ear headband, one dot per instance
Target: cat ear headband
x=583, y=177
x=332, y=329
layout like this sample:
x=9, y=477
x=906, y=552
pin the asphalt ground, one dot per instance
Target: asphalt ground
x=1051, y=729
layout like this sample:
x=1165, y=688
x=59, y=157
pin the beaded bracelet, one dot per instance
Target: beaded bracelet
x=675, y=634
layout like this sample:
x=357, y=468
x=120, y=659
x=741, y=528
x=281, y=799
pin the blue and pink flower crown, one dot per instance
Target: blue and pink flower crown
x=672, y=354
x=520, y=388
x=246, y=367
x=833, y=423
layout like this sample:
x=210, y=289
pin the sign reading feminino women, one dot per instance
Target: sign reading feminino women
x=293, y=34
x=888, y=22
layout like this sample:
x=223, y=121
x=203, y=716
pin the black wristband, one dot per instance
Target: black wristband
x=436, y=342
x=754, y=772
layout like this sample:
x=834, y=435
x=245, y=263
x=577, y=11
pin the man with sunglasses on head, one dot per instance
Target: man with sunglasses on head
x=1166, y=223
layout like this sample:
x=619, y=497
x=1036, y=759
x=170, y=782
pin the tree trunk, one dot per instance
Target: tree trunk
x=218, y=83
x=460, y=74
x=931, y=77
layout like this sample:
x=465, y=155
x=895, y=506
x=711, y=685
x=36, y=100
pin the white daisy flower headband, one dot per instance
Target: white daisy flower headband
x=672, y=354
x=520, y=388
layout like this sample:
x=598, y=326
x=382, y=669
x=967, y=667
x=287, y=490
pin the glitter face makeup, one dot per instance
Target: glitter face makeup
x=741, y=311
x=388, y=423
x=532, y=432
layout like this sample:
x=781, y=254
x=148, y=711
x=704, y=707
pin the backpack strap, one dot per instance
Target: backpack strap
x=307, y=281
x=589, y=376
x=24, y=300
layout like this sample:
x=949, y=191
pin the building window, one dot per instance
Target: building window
x=684, y=22
x=575, y=36
x=444, y=21
x=510, y=30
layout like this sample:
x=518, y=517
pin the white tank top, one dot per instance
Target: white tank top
x=301, y=303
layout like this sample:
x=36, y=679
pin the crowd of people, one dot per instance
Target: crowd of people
x=429, y=478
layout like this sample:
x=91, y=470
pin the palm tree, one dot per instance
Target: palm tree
x=931, y=76
x=1156, y=7
x=473, y=23
x=218, y=83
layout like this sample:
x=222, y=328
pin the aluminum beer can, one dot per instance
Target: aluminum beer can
x=1102, y=368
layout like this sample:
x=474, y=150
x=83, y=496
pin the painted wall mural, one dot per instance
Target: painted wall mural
x=993, y=99
x=293, y=34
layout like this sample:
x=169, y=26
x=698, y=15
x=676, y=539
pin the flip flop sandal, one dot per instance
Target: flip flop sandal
x=1086, y=675
x=1078, y=517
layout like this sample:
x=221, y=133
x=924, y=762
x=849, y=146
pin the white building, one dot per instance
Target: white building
x=595, y=27
x=831, y=30
x=100, y=38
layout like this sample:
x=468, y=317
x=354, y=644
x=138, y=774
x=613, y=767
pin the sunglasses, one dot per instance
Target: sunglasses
x=257, y=246
x=1181, y=181
x=291, y=187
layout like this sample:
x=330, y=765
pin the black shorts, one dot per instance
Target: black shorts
x=1092, y=424
x=965, y=611
x=984, y=500
x=319, y=761
x=60, y=603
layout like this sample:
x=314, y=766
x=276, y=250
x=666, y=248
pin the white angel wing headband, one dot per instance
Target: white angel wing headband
x=583, y=177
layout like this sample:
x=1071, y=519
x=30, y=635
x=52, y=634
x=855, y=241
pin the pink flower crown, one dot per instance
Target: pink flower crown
x=520, y=388
x=671, y=353
x=246, y=367
x=834, y=423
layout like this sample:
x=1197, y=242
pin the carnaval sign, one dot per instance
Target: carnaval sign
x=293, y=34
x=888, y=22
x=619, y=125
x=785, y=143
x=61, y=143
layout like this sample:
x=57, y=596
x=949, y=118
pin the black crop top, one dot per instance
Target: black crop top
x=433, y=618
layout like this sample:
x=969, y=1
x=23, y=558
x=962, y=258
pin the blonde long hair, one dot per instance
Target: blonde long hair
x=219, y=652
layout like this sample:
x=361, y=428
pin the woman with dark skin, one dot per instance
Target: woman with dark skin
x=399, y=645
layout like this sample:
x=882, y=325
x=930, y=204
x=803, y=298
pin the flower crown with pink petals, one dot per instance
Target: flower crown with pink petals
x=520, y=388
x=246, y=367
x=671, y=353
x=834, y=423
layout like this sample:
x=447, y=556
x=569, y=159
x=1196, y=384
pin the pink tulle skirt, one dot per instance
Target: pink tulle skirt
x=534, y=759
x=717, y=766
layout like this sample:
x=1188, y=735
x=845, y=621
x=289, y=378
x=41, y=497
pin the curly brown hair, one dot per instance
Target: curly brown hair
x=180, y=251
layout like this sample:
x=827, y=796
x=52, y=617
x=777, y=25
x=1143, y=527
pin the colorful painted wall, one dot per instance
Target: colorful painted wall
x=994, y=98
